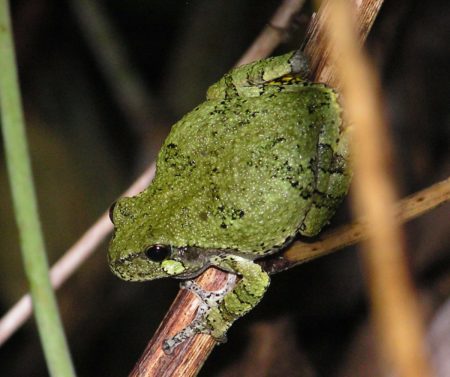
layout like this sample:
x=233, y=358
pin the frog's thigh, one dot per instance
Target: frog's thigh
x=332, y=184
x=245, y=295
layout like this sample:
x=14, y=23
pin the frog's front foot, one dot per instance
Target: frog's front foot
x=210, y=298
x=208, y=319
x=219, y=309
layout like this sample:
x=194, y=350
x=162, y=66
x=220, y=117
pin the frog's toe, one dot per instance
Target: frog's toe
x=211, y=298
x=217, y=330
x=189, y=285
x=222, y=338
x=198, y=325
x=169, y=345
x=193, y=287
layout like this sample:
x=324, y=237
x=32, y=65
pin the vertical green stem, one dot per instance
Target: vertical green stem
x=25, y=207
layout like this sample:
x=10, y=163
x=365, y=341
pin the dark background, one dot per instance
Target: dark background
x=86, y=150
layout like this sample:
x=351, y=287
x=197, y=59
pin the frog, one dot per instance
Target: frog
x=264, y=159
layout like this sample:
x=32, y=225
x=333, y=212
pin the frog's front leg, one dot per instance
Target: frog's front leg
x=208, y=300
x=219, y=309
x=245, y=295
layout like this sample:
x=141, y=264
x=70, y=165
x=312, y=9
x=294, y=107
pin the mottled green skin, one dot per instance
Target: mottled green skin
x=262, y=159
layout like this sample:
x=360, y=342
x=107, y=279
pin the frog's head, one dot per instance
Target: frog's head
x=140, y=248
x=248, y=79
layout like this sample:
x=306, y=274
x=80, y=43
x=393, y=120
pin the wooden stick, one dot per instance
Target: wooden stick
x=274, y=32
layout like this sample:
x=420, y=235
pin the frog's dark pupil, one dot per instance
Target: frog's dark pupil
x=111, y=212
x=157, y=253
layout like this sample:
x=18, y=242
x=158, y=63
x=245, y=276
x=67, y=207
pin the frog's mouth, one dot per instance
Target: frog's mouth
x=136, y=267
x=194, y=260
x=180, y=263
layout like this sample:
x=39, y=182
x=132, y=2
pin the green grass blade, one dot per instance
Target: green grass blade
x=25, y=207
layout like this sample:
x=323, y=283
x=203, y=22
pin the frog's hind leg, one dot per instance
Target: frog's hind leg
x=331, y=166
x=219, y=309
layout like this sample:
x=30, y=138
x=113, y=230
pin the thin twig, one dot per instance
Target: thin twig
x=71, y=260
x=395, y=306
x=138, y=105
x=274, y=32
x=34, y=256
x=407, y=209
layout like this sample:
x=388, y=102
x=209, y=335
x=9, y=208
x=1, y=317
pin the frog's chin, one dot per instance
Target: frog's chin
x=139, y=273
x=131, y=270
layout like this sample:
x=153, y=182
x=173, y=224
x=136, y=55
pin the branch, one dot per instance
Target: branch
x=274, y=32
x=394, y=302
x=347, y=235
x=70, y=261
x=139, y=106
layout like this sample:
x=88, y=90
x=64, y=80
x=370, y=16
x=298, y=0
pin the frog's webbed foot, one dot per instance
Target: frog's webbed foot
x=219, y=309
x=210, y=298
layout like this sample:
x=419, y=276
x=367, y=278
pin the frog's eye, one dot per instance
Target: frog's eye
x=111, y=211
x=157, y=253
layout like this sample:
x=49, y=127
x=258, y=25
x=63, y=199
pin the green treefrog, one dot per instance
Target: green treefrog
x=264, y=158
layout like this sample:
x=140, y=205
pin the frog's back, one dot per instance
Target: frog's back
x=244, y=170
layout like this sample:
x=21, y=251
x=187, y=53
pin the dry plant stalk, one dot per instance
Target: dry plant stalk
x=318, y=50
x=198, y=348
x=350, y=234
x=274, y=32
x=395, y=308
